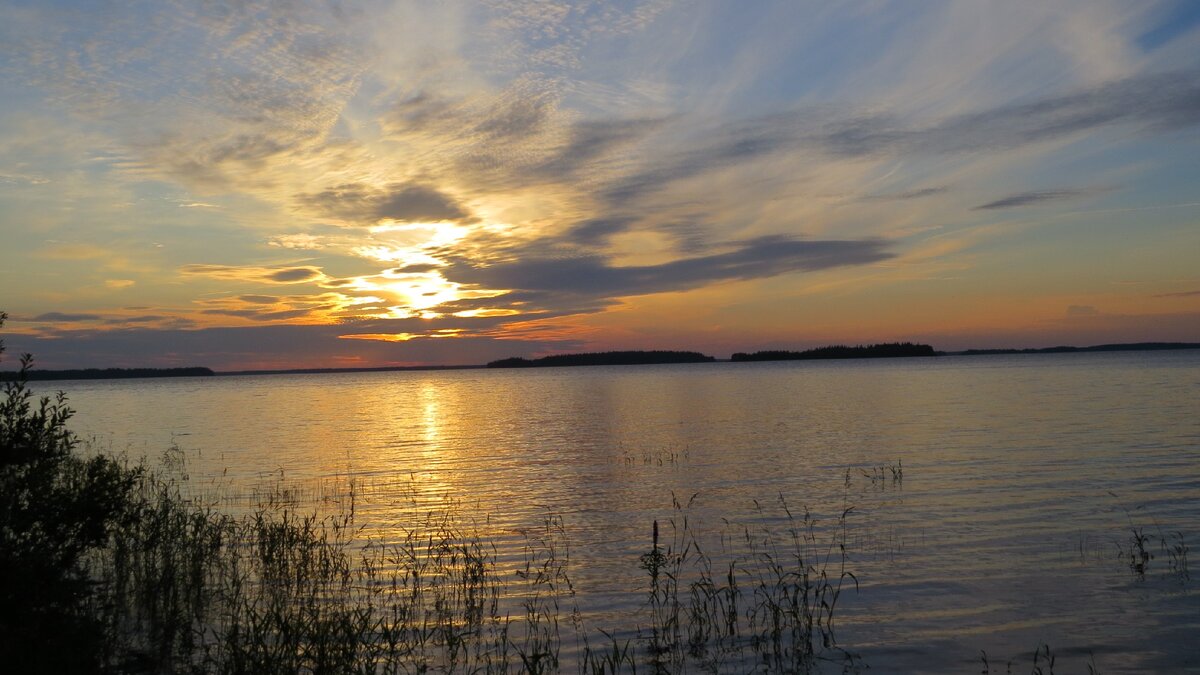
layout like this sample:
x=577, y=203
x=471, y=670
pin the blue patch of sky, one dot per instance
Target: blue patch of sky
x=1181, y=17
x=782, y=54
x=816, y=66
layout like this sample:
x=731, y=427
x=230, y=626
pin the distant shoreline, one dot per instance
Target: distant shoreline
x=558, y=361
x=1065, y=349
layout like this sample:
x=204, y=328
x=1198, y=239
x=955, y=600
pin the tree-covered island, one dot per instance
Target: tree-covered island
x=627, y=358
x=878, y=351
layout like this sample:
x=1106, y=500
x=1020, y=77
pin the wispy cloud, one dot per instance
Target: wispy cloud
x=270, y=275
x=909, y=194
x=62, y=317
x=540, y=278
x=1032, y=197
x=361, y=204
x=1150, y=102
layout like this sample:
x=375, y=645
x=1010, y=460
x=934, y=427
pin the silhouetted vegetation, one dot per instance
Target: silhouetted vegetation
x=885, y=350
x=1063, y=349
x=104, y=373
x=323, y=371
x=628, y=358
x=56, y=509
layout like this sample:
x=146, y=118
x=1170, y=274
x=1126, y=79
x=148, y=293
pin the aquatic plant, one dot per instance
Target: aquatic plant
x=1137, y=550
x=760, y=600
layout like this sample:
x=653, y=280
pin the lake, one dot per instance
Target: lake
x=996, y=503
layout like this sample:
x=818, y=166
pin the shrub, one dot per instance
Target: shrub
x=55, y=507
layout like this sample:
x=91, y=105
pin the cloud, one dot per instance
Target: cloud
x=361, y=203
x=904, y=196
x=1160, y=101
x=522, y=110
x=416, y=268
x=274, y=346
x=260, y=315
x=1033, y=197
x=221, y=95
x=417, y=202
x=143, y=318
x=590, y=140
x=594, y=275
x=513, y=138
x=61, y=317
x=295, y=275
x=1156, y=102
x=277, y=275
x=22, y=179
x=597, y=230
x=298, y=241
x=1082, y=310
x=118, y=284
x=542, y=35
x=727, y=145
x=1180, y=294
x=70, y=251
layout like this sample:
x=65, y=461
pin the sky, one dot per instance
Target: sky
x=245, y=185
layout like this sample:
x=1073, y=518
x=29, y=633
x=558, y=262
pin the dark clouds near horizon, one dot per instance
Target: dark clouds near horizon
x=234, y=348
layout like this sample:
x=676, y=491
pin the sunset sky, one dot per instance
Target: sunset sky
x=340, y=184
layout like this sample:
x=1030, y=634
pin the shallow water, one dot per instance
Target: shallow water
x=1024, y=478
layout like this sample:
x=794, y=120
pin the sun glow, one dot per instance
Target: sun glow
x=416, y=285
x=407, y=294
x=474, y=313
x=383, y=337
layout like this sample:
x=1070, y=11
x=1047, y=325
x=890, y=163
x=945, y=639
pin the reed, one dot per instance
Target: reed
x=760, y=600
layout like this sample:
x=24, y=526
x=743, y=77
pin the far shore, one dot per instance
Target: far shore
x=199, y=371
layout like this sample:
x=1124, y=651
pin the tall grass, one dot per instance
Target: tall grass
x=762, y=599
x=186, y=587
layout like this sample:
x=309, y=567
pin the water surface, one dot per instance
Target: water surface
x=1023, y=479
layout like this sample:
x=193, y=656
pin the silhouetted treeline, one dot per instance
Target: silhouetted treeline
x=107, y=373
x=324, y=371
x=603, y=359
x=1125, y=347
x=879, y=351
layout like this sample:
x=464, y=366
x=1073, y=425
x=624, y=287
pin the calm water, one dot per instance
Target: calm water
x=1023, y=477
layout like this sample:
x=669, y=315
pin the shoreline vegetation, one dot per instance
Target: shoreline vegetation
x=625, y=358
x=107, y=373
x=879, y=351
x=1066, y=349
x=635, y=357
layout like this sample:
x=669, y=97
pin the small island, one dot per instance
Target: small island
x=628, y=358
x=878, y=351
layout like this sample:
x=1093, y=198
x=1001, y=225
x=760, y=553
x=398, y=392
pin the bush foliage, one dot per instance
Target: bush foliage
x=55, y=507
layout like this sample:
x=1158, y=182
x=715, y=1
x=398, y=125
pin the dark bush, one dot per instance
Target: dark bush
x=55, y=507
